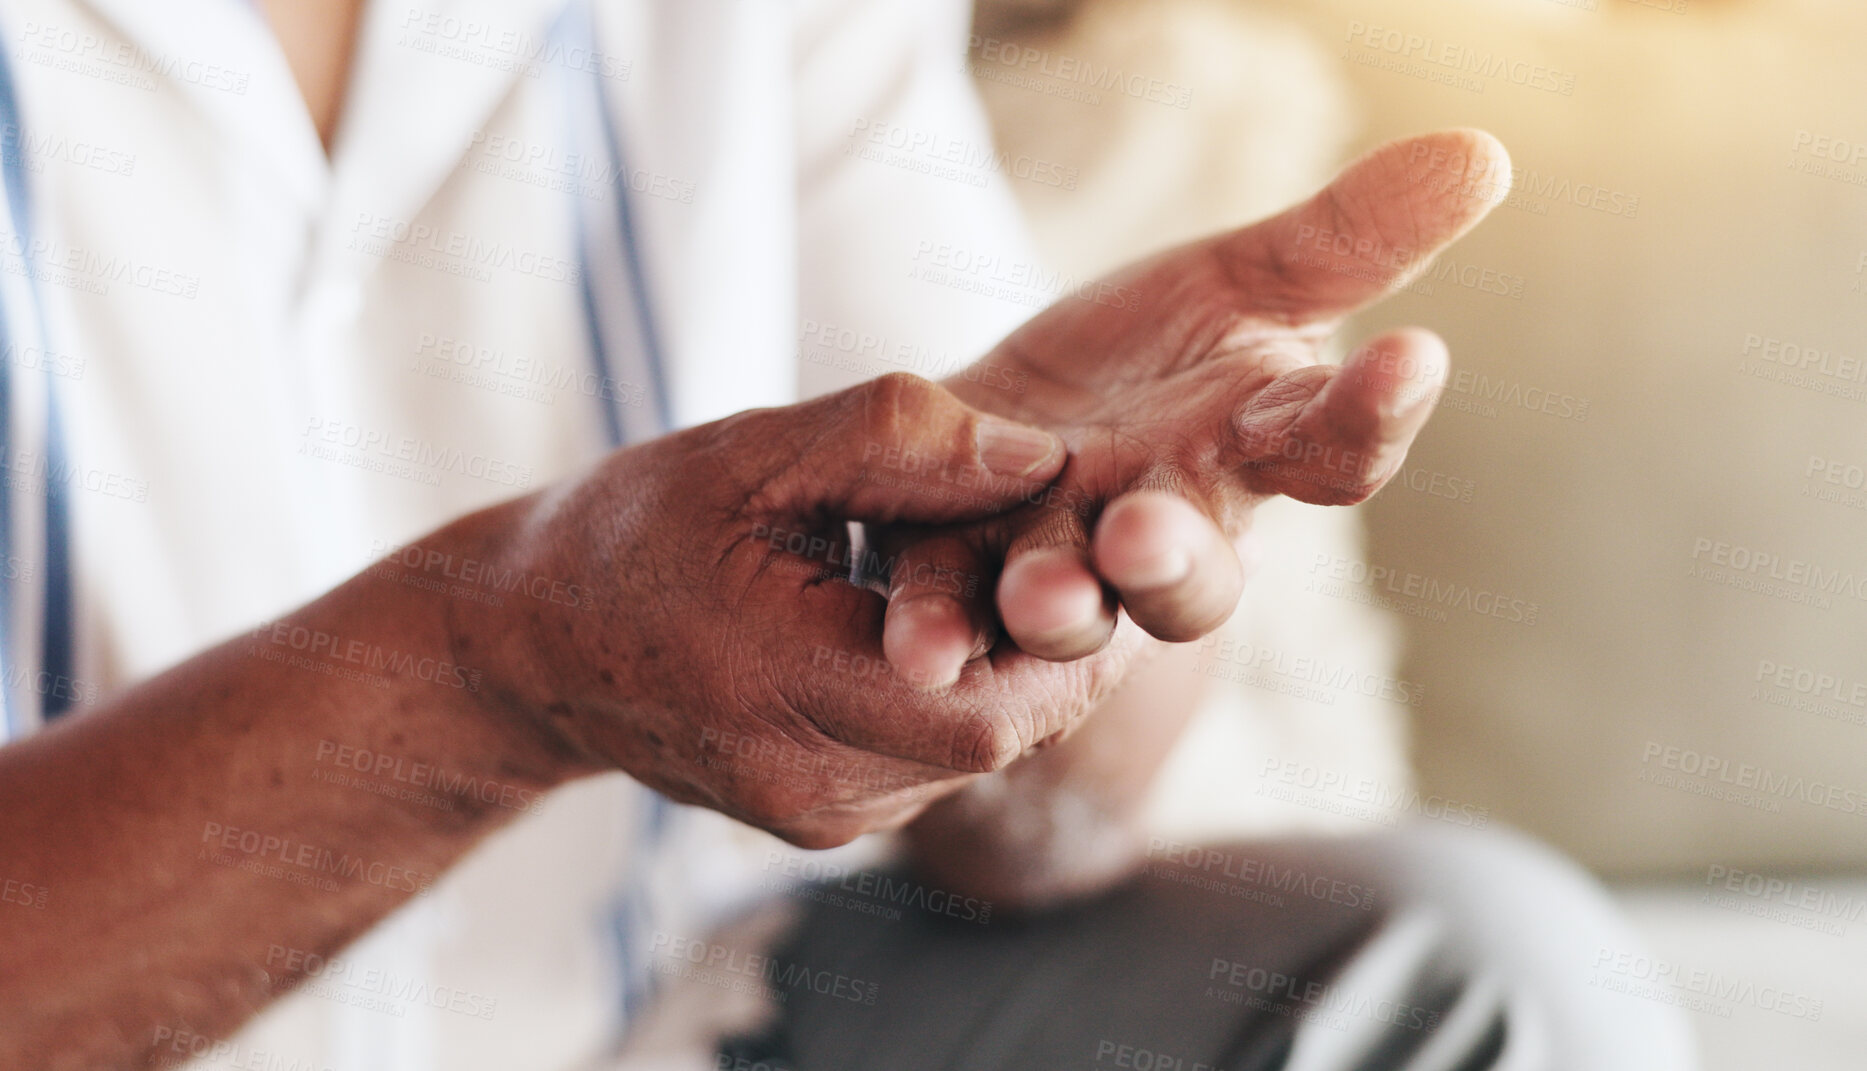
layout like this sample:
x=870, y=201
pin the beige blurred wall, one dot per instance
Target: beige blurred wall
x=1600, y=521
x=1584, y=726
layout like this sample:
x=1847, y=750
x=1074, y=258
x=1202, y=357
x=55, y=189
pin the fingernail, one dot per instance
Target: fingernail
x=1013, y=449
x=917, y=617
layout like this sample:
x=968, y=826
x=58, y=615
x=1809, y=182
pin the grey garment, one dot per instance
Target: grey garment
x=1430, y=949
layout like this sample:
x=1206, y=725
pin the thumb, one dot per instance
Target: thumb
x=1371, y=230
x=900, y=448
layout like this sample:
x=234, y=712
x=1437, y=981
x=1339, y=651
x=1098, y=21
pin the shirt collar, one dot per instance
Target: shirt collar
x=222, y=57
x=424, y=76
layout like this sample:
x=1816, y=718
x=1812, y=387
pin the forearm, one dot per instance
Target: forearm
x=199, y=834
x=1066, y=820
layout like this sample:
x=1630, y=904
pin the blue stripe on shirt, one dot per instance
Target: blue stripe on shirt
x=57, y=656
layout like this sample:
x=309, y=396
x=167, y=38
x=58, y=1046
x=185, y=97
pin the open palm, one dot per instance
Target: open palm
x=1189, y=389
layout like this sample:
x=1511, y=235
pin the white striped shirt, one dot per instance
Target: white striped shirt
x=271, y=366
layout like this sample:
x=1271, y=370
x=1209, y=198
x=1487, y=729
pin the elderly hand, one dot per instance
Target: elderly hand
x=1189, y=389
x=727, y=660
x=722, y=657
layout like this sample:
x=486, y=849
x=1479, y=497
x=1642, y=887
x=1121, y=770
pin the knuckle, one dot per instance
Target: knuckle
x=1035, y=529
x=985, y=743
x=1266, y=426
x=895, y=402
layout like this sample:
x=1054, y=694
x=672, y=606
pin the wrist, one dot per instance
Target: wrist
x=438, y=622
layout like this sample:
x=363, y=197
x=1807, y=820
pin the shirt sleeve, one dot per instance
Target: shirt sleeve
x=913, y=254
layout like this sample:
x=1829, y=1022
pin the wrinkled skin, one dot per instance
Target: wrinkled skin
x=724, y=670
x=1184, y=413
